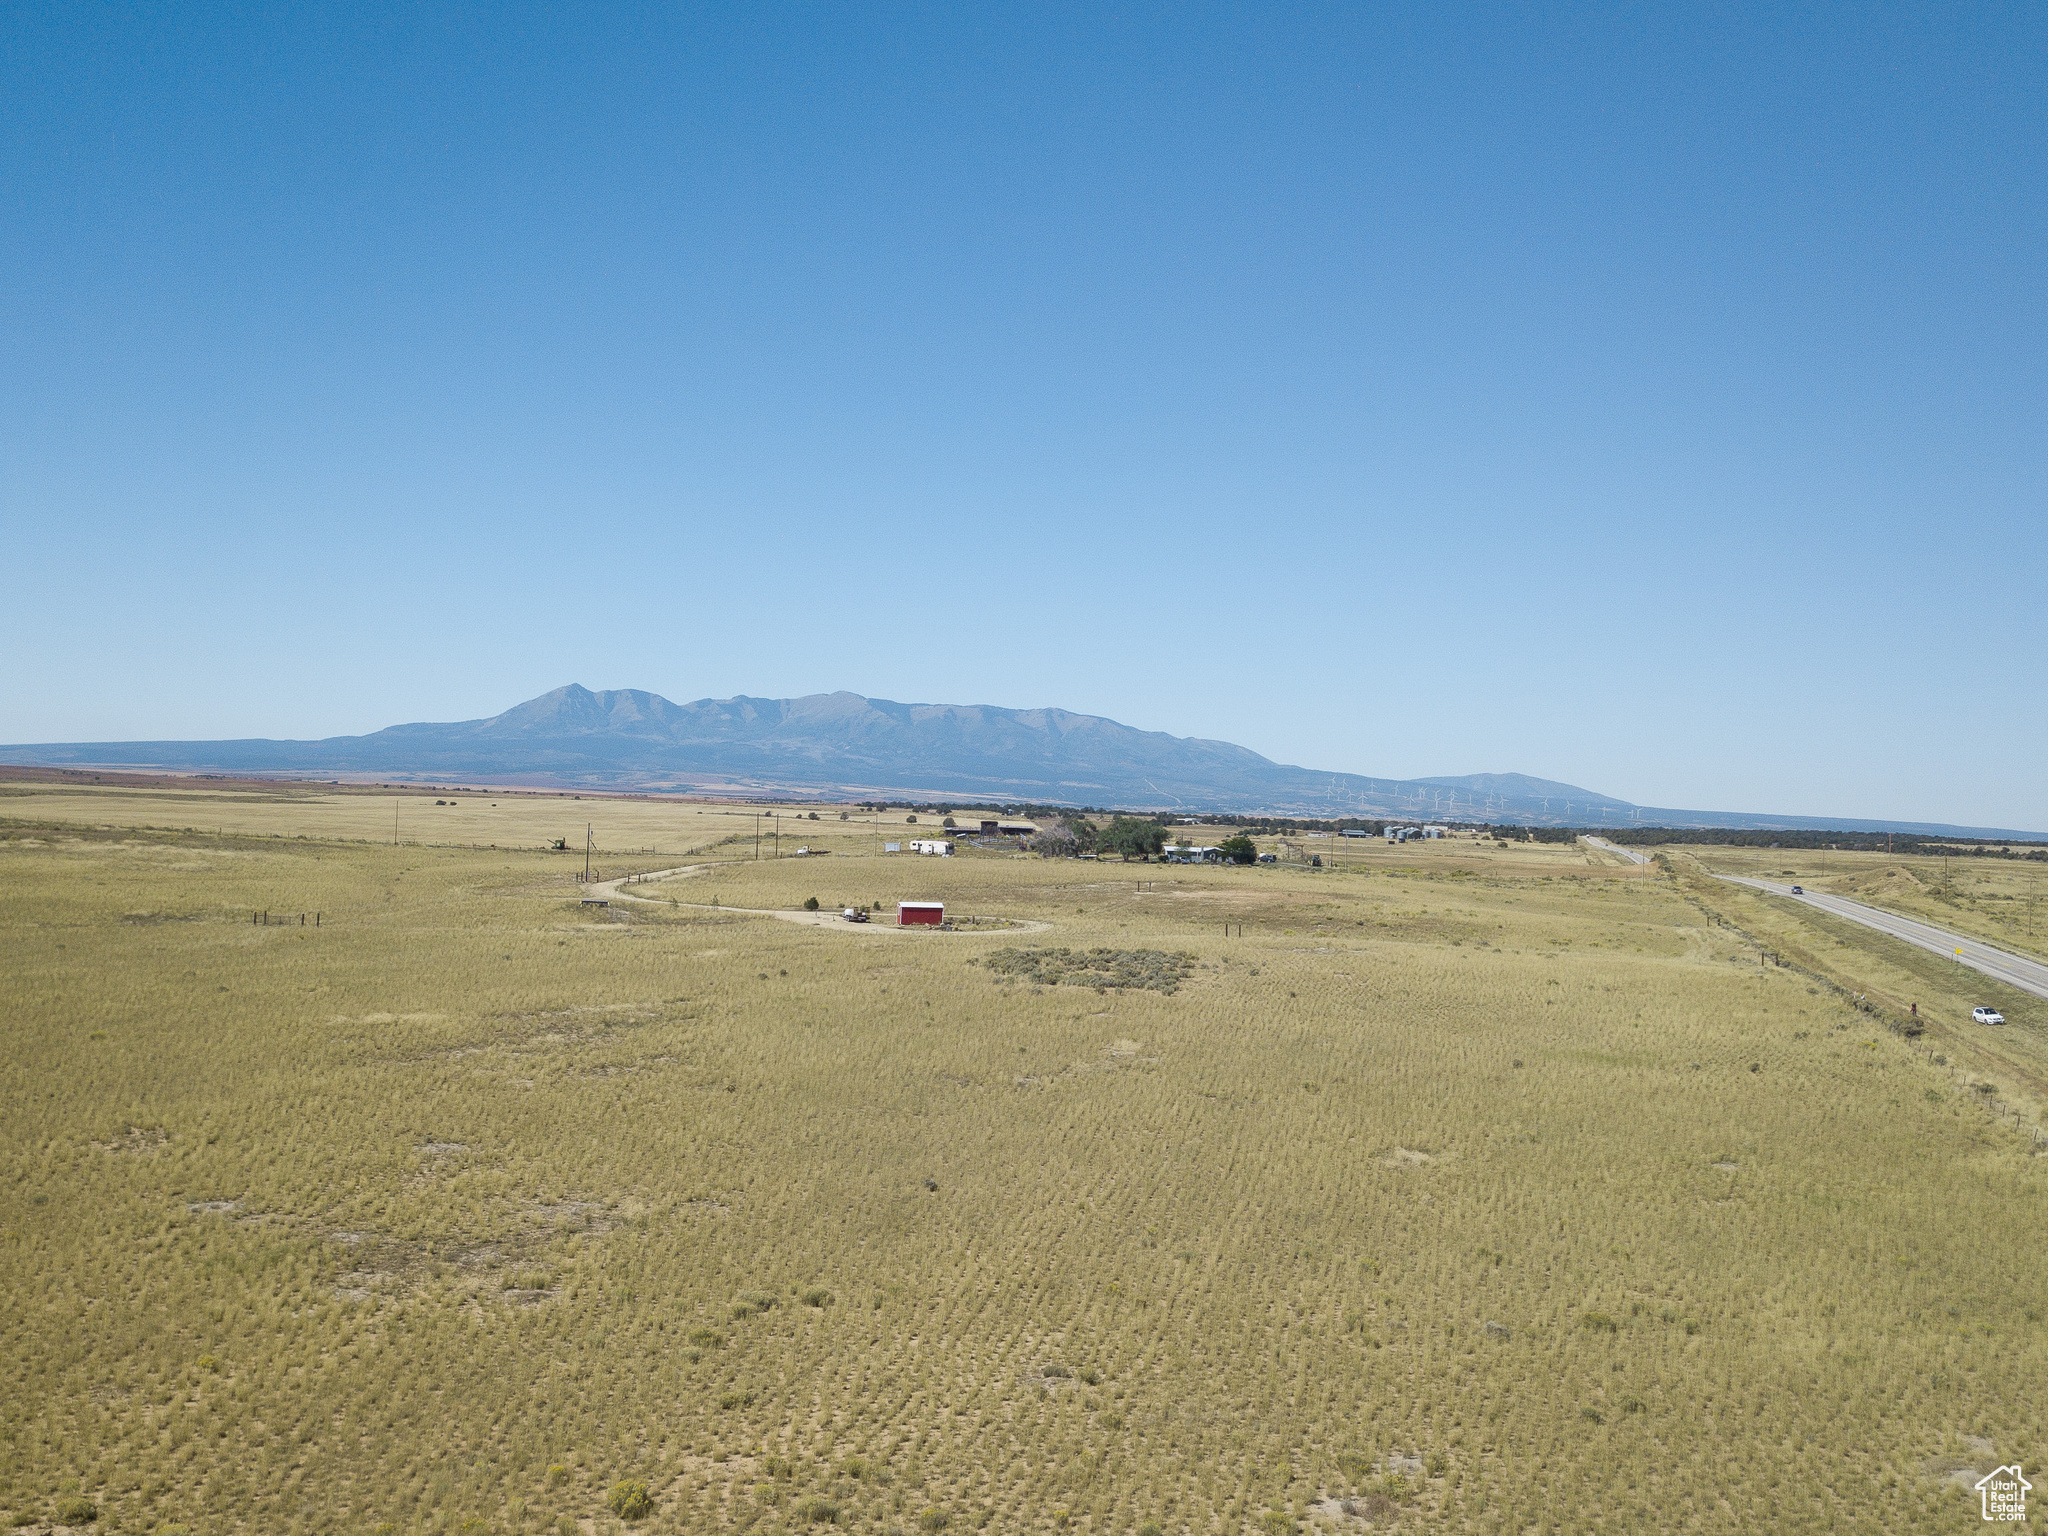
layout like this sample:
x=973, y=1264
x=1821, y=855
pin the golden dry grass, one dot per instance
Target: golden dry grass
x=1491, y=1190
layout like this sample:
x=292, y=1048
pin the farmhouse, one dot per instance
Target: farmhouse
x=920, y=914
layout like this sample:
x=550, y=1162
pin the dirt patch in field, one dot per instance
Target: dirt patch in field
x=1049, y=1377
x=137, y=1139
x=1410, y=1157
x=1375, y=1509
x=1978, y=1457
x=508, y=1260
x=592, y=1216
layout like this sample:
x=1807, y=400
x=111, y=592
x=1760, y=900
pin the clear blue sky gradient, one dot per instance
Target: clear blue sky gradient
x=1646, y=398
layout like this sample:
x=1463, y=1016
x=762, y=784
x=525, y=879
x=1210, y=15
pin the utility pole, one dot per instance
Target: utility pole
x=757, y=837
x=394, y=821
x=586, y=853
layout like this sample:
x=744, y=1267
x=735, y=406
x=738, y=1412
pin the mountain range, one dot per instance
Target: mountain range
x=844, y=745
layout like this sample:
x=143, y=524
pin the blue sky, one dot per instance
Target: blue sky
x=1651, y=399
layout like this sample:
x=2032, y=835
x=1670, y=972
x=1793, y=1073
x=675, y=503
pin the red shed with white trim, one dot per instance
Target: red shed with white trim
x=911, y=914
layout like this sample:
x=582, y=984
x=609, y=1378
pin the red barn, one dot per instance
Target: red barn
x=913, y=913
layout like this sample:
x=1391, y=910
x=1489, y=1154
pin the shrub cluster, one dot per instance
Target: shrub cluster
x=1153, y=970
x=630, y=1500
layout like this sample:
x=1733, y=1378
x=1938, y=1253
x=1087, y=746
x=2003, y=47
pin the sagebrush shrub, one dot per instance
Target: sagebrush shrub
x=630, y=1500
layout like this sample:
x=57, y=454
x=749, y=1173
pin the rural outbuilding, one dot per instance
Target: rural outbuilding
x=913, y=914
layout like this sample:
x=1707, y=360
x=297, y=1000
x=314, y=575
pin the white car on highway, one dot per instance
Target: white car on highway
x=1987, y=1016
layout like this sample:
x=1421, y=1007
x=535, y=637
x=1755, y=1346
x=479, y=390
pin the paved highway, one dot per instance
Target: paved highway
x=1627, y=853
x=2001, y=965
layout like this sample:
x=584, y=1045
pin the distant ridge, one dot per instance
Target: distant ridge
x=843, y=744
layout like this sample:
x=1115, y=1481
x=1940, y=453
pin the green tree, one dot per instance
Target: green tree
x=1239, y=849
x=1131, y=836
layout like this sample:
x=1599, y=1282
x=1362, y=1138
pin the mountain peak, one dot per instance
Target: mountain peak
x=845, y=745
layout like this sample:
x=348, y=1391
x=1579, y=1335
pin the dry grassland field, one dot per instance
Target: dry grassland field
x=1467, y=1188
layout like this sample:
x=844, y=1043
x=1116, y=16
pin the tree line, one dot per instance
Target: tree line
x=1858, y=842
